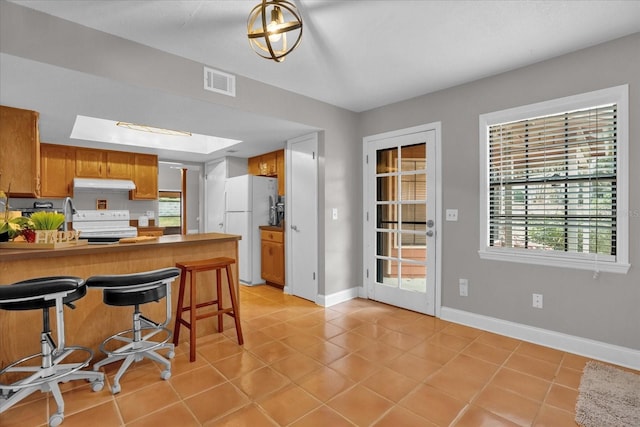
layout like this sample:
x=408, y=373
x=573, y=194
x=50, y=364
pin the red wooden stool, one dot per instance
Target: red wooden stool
x=193, y=267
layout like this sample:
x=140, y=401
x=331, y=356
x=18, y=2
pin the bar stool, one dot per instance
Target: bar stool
x=42, y=294
x=134, y=290
x=192, y=268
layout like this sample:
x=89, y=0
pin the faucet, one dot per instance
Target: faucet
x=67, y=208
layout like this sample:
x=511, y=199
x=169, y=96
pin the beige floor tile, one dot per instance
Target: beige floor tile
x=449, y=341
x=322, y=416
x=216, y=402
x=196, y=381
x=506, y=404
x=487, y=353
x=548, y=416
x=500, y=341
x=390, y=385
x=526, y=385
x=532, y=366
x=325, y=383
x=300, y=341
x=238, y=364
x=250, y=416
x=434, y=405
x=144, y=401
x=351, y=341
x=398, y=416
x=456, y=383
x=355, y=367
x=539, y=352
x=434, y=353
x=360, y=405
x=325, y=330
x=288, y=405
x=326, y=352
x=104, y=415
x=175, y=415
x=273, y=351
x=562, y=397
x=346, y=322
x=413, y=366
x=296, y=366
x=400, y=340
x=462, y=331
x=568, y=377
x=261, y=382
x=218, y=350
x=371, y=330
x=475, y=416
x=379, y=352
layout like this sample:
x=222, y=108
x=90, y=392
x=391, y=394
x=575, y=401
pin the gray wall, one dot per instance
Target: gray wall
x=33, y=35
x=604, y=309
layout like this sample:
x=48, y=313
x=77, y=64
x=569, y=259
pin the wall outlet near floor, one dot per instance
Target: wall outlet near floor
x=464, y=287
x=537, y=300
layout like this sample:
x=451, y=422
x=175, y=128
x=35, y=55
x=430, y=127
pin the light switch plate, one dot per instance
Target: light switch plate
x=334, y=213
x=451, y=215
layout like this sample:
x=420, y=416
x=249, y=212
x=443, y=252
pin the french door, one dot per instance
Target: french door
x=400, y=230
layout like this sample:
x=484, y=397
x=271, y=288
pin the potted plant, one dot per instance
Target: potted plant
x=11, y=226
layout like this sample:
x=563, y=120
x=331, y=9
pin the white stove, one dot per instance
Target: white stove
x=103, y=226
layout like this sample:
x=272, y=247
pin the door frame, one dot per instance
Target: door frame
x=368, y=243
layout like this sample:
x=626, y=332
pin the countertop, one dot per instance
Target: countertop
x=174, y=239
x=271, y=228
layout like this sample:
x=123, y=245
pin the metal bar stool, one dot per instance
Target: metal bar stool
x=192, y=268
x=134, y=290
x=42, y=294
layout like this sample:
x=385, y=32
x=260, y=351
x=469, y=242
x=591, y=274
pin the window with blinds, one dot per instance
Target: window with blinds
x=554, y=182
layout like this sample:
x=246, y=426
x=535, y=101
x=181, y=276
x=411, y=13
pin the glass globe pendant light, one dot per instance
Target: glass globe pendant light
x=271, y=28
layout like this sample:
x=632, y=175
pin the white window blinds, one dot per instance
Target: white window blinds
x=552, y=183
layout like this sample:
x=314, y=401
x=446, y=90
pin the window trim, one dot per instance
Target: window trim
x=618, y=95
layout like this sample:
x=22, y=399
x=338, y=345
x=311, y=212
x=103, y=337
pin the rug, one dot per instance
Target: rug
x=608, y=397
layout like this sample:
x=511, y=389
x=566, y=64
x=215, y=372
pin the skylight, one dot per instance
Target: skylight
x=101, y=130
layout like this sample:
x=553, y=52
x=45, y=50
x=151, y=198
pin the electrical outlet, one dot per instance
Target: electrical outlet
x=537, y=300
x=463, y=284
x=334, y=213
x=451, y=214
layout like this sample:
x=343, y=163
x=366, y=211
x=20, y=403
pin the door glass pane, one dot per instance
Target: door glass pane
x=386, y=189
x=385, y=243
x=414, y=157
x=387, y=273
x=414, y=187
x=386, y=161
x=412, y=277
x=387, y=217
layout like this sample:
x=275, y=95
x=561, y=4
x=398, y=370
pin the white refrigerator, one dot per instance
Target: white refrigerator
x=247, y=202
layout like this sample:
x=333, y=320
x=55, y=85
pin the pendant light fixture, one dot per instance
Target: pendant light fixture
x=274, y=29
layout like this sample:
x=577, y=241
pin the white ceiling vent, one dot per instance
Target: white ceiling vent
x=219, y=82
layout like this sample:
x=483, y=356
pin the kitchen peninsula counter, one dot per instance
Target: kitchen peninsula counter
x=92, y=321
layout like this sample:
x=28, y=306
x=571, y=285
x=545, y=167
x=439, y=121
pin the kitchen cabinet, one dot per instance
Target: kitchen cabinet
x=272, y=256
x=120, y=164
x=19, y=152
x=57, y=165
x=270, y=164
x=280, y=171
x=145, y=175
x=92, y=163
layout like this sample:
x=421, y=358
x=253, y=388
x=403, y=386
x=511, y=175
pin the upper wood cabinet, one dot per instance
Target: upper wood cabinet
x=58, y=163
x=92, y=163
x=270, y=164
x=280, y=170
x=19, y=152
x=145, y=175
x=120, y=164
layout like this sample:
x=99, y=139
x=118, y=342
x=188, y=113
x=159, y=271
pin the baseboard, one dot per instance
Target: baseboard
x=338, y=297
x=618, y=355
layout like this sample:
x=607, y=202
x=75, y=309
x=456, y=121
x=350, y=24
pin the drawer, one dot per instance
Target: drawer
x=272, y=236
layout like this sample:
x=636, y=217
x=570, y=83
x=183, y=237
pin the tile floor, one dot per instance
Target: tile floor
x=358, y=363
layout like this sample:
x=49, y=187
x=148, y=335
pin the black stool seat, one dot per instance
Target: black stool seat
x=145, y=337
x=35, y=294
x=134, y=288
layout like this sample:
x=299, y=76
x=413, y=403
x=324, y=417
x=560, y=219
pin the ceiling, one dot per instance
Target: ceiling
x=355, y=54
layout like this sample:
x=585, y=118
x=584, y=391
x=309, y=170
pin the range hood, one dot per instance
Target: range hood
x=99, y=184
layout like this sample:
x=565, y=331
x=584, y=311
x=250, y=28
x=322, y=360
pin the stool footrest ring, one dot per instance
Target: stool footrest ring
x=134, y=347
x=36, y=379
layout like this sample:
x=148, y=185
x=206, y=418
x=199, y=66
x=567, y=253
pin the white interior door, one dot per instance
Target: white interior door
x=401, y=231
x=302, y=217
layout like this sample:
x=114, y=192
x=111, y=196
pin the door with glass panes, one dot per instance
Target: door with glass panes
x=401, y=229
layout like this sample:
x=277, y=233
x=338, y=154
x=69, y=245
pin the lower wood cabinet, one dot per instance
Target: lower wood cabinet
x=272, y=258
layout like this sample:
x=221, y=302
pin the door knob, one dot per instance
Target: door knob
x=430, y=233
x=430, y=223
x=294, y=227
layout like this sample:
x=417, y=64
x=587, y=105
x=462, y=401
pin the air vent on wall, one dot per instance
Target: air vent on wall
x=219, y=82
